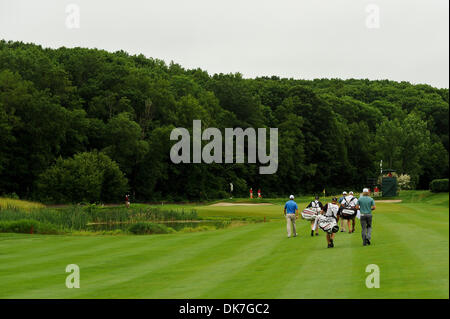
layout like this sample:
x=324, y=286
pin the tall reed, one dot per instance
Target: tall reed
x=78, y=217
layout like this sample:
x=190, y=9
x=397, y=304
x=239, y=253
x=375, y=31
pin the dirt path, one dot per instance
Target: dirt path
x=240, y=204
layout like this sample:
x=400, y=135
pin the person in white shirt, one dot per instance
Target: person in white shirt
x=317, y=206
x=331, y=210
x=349, y=202
x=344, y=193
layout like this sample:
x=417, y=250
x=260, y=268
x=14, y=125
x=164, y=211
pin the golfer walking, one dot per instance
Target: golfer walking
x=366, y=205
x=291, y=213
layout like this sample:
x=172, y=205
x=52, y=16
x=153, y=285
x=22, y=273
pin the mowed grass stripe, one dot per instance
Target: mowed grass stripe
x=323, y=265
x=51, y=268
x=102, y=255
x=75, y=246
x=70, y=246
x=206, y=279
x=431, y=256
x=275, y=266
x=438, y=228
x=100, y=270
x=432, y=218
x=412, y=270
x=252, y=261
x=152, y=280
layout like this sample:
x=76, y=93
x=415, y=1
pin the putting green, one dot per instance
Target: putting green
x=410, y=246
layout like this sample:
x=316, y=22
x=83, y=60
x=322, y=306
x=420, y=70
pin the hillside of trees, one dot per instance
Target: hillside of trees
x=63, y=109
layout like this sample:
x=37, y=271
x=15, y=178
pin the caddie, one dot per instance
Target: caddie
x=349, y=203
x=344, y=193
x=331, y=210
x=317, y=206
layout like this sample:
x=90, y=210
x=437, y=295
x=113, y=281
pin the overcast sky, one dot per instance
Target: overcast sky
x=402, y=40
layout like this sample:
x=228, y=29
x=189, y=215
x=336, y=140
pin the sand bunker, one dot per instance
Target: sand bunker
x=240, y=204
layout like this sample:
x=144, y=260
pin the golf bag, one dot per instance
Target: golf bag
x=348, y=212
x=309, y=213
x=327, y=224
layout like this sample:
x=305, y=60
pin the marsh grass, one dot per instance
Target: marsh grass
x=11, y=203
x=78, y=218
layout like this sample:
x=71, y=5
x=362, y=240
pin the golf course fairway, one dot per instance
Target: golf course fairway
x=410, y=245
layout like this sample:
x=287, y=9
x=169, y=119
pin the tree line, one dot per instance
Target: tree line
x=66, y=111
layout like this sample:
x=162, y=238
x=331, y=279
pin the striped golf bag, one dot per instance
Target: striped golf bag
x=327, y=224
x=348, y=212
x=309, y=213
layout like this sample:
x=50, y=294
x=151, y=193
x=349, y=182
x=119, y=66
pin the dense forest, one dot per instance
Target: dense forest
x=89, y=125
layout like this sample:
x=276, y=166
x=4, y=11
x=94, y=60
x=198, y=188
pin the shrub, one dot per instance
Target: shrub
x=404, y=182
x=149, y=228
x=87, y=177
x=11, y=196
x=26, y=226
x=196, y=229
x=439, y=185
x=97, y=233
x=113, y=232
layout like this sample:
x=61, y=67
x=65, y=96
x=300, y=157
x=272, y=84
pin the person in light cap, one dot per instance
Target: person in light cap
x=344, y=193
x=291, y=213
x=366, y=205
x=331, y=210
x=317, y=206
x=349, y=202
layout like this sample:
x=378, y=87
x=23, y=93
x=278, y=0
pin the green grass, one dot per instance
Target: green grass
x=410, y=245
x=10, y=203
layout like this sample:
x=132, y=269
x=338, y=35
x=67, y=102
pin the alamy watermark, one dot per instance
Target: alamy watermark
x=373, y=279
x=73, y=16
x=212, y=152
x=373, y=16
x=73, y=280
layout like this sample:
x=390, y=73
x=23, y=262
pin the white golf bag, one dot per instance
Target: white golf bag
x=327, y=224
x=348, y=212
x=310, y=213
